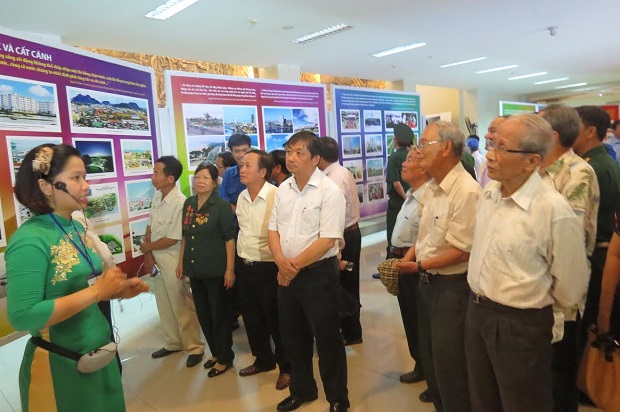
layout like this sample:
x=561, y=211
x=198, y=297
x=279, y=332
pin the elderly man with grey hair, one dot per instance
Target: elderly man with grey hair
x=445, y=237
x=574, y=179
x=526, y=259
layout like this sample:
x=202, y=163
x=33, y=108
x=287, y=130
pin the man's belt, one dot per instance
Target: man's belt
x=354, y=226
x=398, y=252
x=317, y=264
x=427, y=277
x=601, y=245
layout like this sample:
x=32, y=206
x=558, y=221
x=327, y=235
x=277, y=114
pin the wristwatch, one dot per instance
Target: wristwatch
x=420, y=266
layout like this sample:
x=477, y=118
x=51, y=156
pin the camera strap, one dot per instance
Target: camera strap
x=58, y=350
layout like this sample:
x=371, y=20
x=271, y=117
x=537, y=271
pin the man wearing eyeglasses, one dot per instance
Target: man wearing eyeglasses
x=447, y=220
x=528, y=257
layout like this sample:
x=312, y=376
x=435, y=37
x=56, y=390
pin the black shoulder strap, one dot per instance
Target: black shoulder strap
x=58, y=350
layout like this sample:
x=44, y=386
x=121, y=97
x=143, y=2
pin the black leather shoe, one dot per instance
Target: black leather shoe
x=338, y=407
x=376, y=276
x=209, y=364
x=162, y=353
x=425, y=397
x=411, y=377
x=215, y=372
x=291, y=403
x=349, y=342
x=193, y=360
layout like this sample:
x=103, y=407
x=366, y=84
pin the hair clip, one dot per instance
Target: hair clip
x=42, y=160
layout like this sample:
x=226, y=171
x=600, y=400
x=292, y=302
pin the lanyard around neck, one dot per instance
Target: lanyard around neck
x=84, y=251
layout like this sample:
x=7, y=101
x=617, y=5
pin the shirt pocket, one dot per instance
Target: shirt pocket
x=309, y=223
x=439, y=230
x=159, y=227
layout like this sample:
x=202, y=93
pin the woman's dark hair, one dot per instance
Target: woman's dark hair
x=227, y=159
x=27, y=188
x=211, y=168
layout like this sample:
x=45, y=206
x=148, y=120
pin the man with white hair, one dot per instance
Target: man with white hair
x=526, y=259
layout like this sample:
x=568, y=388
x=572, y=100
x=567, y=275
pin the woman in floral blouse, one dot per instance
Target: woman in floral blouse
x=208, y=259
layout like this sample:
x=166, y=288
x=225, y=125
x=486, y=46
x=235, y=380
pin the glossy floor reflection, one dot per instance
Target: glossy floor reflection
x=167, y=385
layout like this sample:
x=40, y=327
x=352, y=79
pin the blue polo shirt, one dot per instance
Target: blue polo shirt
x=231, y=186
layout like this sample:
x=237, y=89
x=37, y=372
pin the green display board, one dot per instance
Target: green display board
x=511, y=108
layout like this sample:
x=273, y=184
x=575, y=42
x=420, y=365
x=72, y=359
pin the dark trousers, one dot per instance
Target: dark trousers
x=565, y=365
x=442, y=309
x=257, y=293
x=350, y=282
x=308, y=309
x=394, y=204
x=509, y=358
x=213, y=309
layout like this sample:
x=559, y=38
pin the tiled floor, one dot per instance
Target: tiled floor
x=167, y=385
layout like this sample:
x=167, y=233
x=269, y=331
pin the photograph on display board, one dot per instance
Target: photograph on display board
x=278, y=120
x=28, y=105
x=139, y=196
x=22, y=213
x=112, y=236
x=253, y=141
x=137, y=229
x=349, y=121
x=410, y=119
x=2, y=231
x=2, y=276
x=203, y=119
x=372, y=121
x=389, y=143
x=240, y=119
x=392, y=119
x=373, y=144
x=356, y=167
x=103, y=203
x=137, y=157
x=107, y=113
x=276, y=141
x=376, y=191
x=306, y=119
x=374, y=168
x=360, y=192
x=98, y=156
x=19, y=146
x=204, y=149
x=191, y=185
x=351, y=146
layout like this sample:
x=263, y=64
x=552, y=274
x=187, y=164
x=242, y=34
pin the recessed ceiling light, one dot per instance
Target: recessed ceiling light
x=525, y=76
x=322, y=33
x=477, y=59
x=169, y=9
x=497, y=69
x=566, y=86
x=398, y=49
x=559, y=79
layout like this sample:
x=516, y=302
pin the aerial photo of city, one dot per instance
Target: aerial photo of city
x=204, y=149
x=98, y=156
x=28, y=105
x=139, y=196
x=203, y=119
x=278, y=120
x=240, y=119
x=137, y=156
x=98, y=112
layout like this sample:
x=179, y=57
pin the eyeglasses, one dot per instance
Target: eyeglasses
x=490, y=144
x=426, y=144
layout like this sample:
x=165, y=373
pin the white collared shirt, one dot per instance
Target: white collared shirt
x=253, y=218
x=344, y=180
x=407, y=224
x=301, y=217
x=165, y=221
x=447, y=218
x=528, y=248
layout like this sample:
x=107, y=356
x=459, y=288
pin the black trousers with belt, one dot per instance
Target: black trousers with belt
x=442, y=309
x=257, y=294
x=509, y=357
x=408, y=303
x=350, y=282
x=214, y=308
x=308, y=310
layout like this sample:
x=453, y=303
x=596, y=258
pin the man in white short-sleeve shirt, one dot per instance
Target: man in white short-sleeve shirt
x=306, y=225
x=179, y=323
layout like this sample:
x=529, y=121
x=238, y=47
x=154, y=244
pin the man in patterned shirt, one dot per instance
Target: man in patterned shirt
x=574, y=179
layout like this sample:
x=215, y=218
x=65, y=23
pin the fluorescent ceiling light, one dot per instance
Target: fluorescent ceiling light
x=169, y=9
x=525, y=76
x=477, y=59
x=398, y=49
x=559, y=79
x=322, y=33
x=566, y=86
x=497, y=69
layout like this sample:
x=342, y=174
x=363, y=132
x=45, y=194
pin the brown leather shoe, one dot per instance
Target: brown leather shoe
x=284, y=380
x=253, y=370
